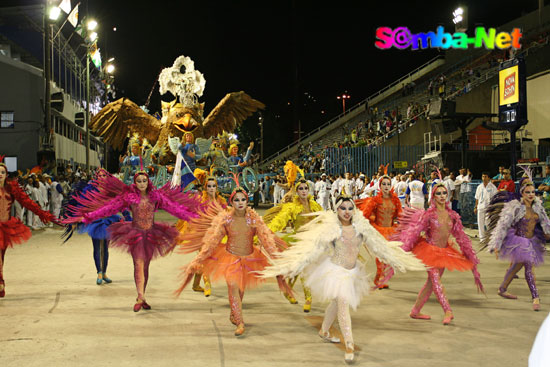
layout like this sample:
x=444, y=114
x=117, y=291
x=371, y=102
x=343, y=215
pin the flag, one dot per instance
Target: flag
x=65, y=6
x=187, y=176
x=73, y=17
x=80, y=30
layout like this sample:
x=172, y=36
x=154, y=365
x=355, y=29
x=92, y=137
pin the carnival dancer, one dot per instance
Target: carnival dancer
x=326, y=251
x=238, y=258
x=438, y=223
x=97, y=230
x=291, y=211
x=143, y=238
x=12, y=230
x=209, y=194
x=518, y=230
x=382, y=211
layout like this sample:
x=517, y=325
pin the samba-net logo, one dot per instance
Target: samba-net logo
x=402, y=38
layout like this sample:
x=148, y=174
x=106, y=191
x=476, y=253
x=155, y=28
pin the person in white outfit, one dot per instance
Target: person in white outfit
x=276, y=190
x=322, y=192
x=56, y=195
x=416, y=193
x=347, y=185
x=484, y=193
x=29, y=190
x=39, y=199
x=401, y=190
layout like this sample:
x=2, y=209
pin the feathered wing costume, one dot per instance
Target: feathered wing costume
x=277, y=219
x=12, y=230
x=326, y=253
x=382, y=214
x=183, y=226
x=143, y=238
x=518, y=236
x=436, y=252
x=97, y=230
x=237, y=260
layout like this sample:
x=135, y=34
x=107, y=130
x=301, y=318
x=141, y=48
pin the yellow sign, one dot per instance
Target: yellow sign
x=508, y=88
x=400, y=164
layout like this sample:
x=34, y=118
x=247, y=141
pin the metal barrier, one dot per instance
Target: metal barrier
x=368, y=159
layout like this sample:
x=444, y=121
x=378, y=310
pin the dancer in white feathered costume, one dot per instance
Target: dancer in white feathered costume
x=326, y=252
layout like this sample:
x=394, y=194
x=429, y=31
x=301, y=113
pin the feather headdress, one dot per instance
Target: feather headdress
x=527, y=179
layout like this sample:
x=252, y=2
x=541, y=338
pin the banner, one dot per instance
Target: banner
x=73, y=17
x=65, y=6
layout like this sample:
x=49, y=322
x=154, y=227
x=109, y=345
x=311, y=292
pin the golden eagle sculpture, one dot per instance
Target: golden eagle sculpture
x=121, y=118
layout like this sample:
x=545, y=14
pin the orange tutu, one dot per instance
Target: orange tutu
x=438, y=257
x=384, y=231
x=13, y=232
x=235, y=269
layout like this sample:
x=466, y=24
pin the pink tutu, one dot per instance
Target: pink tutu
x=159, y=240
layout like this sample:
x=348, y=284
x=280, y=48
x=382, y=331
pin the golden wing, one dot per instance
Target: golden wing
x=118, y=118
x=230, y=112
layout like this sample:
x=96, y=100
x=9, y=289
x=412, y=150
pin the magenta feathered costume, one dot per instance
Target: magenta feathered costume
x=143, y=238
x=436, y=251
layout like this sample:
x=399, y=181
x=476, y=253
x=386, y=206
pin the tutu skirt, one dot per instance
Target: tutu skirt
x=98, y=229
x=147, y=244
x=519, y=249
x=441, y=257
x=13, y=232
x=328, y=281
x=235, y=269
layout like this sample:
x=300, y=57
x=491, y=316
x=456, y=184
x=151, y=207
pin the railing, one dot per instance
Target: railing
x=353, y=108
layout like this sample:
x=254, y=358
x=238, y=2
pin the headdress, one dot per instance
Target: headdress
x=385, y=175
x=141, y=171
x=2, y=162
x=340, y=199
x=299, y=182
x=527, y=179
x=187, y=86
x=238, y=188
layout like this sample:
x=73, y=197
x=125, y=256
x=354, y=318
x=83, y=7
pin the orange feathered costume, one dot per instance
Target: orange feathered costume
x=382, y=214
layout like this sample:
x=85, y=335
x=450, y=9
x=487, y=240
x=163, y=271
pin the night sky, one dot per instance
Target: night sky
x=263, y=47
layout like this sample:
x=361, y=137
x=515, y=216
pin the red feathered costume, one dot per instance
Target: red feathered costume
x=382, y=213
x=12, y=231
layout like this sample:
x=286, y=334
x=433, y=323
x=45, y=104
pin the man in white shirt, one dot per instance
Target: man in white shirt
x=416, y=193
x=56, y=195
x=359, y=184
x=484, y=193
x=450, y=185
x=463, y=181
x=335, y=189
x=322, y=192
x=401, y=190
x=347, y=185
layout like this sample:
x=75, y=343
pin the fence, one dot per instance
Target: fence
x=368, y=159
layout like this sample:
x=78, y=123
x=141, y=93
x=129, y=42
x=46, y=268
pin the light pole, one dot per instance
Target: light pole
x=343, y=97
x=261, y=124
x=51, y=14
x=91, y=25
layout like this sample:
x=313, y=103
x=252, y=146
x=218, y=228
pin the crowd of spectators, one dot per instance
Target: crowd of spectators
x=49, y=191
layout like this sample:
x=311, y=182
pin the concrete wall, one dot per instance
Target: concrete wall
x=21, y=91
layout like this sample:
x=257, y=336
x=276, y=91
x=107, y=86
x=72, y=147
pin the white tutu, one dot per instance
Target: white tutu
x=328, y=281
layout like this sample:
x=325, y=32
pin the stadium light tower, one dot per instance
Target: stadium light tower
x=460, y=19
x=343, y=97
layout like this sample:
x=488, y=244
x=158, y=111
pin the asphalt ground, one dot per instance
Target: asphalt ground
x=54, y=314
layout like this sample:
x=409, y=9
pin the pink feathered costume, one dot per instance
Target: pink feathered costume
x=436, y=251
x=143, y=238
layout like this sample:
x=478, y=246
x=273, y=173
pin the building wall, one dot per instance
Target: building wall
x=21, y=91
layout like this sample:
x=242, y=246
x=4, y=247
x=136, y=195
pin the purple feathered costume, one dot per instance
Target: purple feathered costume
x=519, y=237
